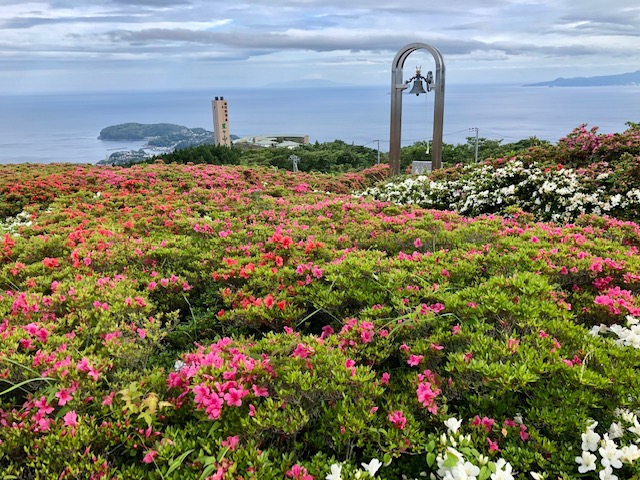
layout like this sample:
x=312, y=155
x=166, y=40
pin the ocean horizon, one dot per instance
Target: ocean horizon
x=50, y=128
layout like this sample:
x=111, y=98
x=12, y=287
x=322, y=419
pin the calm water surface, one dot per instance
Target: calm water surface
x=64, y=128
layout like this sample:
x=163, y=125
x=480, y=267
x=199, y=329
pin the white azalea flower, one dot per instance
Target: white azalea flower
x=616, y=430
x=453, y=424
x=636, y=427
x=586, y=462
x=629, y=453
x=503, y=470
x=178, y=365
x=372, y=467
x=336, y=472
x=610, y=453
x=607, y=474
x=590, y=440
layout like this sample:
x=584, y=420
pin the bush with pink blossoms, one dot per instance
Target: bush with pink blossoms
x=216, y=322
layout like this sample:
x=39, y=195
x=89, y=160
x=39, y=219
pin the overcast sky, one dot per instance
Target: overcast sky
x=66, y=45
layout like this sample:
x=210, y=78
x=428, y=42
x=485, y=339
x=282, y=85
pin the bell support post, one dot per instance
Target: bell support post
x=397, y=87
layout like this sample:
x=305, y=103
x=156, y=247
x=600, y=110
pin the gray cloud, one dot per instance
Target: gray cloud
x=29, y=22
x=152, y=3
x=313, y=38
x=326, y=43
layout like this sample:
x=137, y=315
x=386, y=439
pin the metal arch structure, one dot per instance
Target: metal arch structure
x=397, y=87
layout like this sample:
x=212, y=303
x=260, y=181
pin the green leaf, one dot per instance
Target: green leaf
x=178, y=461
x=451, y=461
x=431, y=458
x=209, y=469
x=26, y=382
x=485, y=473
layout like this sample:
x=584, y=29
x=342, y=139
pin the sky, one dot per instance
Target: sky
x=137, y=45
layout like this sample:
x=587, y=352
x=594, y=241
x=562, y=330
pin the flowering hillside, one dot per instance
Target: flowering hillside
x=207, y=322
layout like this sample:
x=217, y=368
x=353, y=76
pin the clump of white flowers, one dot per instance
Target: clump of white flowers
x=454, y=465
x=13, y=224
x=554, y=194
x=628, y=336
x=368, y=470
x=602, y=453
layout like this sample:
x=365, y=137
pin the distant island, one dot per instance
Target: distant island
x=632, y=78
x=160, y=137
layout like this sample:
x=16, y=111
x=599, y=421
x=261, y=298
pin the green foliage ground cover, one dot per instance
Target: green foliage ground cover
x=200, y=321
x=338, y=156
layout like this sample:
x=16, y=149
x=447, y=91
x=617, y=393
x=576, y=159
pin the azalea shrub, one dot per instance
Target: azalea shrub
x=210, y=322
x=586, y=172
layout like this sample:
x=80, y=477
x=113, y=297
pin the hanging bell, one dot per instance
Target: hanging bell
x=417, y=87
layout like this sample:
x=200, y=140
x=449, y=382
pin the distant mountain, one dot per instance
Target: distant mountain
x=632, y=78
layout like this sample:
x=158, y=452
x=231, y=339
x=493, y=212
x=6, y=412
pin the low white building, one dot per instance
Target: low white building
x=281, y=140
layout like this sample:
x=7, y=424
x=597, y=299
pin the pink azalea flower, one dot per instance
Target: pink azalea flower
x=298, y=472
x=326, y=331
x=150, y=456
x=493, y=446
x=71, y=419
x=398, y=419
x=366, y=336
x=63, y=396
x=43, y=407
x=426, y=396
x=415, y=360
x=108, y=400
x=231, y=442
x=259, y=391
x=303, y=351
x=234, y=396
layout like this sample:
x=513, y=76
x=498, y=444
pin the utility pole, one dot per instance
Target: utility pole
x=476, y=130
x=378, y=141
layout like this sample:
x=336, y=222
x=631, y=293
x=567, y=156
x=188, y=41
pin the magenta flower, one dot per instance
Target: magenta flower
x=398, y=419
x=415, y=360
x=259, y=391
x=63, y=396
x=427, y=396
x=234, y=396
x=231, y=442
x=298, y=472
x=43, y=407
x=493, y=446
x=71, y=419
x=150, y=456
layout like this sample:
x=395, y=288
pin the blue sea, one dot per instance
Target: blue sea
x=64, y=128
